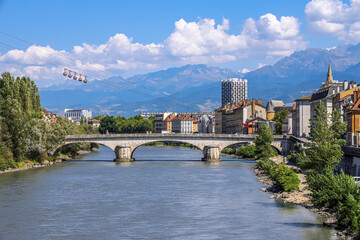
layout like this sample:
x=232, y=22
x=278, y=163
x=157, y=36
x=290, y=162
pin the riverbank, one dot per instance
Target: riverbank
x=302, y=198
x=28, y=165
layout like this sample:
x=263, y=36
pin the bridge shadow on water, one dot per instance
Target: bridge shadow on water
x=150, y=160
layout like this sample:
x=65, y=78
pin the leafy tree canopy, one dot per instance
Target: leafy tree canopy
x=263, y=141
x=278, y=119
x=325, y=149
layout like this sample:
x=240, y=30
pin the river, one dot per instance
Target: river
x=167, y=193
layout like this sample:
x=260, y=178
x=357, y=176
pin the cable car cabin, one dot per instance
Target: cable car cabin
x=65, y=74
x=80, y=79
x=75, y=77
x=69, y=75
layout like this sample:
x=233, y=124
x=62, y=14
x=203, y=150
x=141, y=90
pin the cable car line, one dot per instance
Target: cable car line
x=97, y=69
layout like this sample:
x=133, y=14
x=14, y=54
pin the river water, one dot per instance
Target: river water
x=167, y=193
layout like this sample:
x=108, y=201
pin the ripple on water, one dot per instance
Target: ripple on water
x=149, y=199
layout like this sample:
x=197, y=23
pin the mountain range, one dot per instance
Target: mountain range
x=198, y=87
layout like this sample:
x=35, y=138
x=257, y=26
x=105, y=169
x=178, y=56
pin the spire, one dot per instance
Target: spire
x=329, y=79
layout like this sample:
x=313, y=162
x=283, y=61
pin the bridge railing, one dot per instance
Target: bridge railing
x=169, y=135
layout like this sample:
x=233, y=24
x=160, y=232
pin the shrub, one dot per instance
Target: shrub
x=339, y=193
x=43, y=157
x=265, y=164
x=6, y=158
x=247, y=151
x=228, y=151
x=7, y=163
x=285, y=177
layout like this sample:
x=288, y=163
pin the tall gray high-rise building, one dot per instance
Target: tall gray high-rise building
x=233, y=90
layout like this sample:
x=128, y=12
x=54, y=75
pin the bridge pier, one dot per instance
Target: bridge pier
x=123, y=154
x=211, y=154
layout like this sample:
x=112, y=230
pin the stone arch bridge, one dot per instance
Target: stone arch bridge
x=211, y=144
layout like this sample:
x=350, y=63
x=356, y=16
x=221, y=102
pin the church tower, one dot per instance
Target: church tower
x=329, y=80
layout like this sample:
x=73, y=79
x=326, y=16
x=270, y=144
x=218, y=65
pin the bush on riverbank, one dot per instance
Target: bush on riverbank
x=6, y=158
x=228, y=151
x=285, y=177
x=154, y=144
x=339, y=193
x=247, y=151
x=175, y=144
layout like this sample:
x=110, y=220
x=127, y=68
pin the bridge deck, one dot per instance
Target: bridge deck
x=167, y=135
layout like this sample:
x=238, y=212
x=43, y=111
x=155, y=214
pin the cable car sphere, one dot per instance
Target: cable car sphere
x=65, y=74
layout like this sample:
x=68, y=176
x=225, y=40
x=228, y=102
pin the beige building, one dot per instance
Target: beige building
x=270, y=108
x=231, y=117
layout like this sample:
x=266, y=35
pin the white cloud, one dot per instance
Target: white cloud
x=260, y=65
x=244, y=70
x=336, y=18
x=202, y=41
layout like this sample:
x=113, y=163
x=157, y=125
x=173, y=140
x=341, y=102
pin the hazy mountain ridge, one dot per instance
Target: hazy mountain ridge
x=197, y=87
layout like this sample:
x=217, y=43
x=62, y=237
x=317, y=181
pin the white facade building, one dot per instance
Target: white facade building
x=233, y=90
x=75, y=114
x=302, y=117
x=183, y=124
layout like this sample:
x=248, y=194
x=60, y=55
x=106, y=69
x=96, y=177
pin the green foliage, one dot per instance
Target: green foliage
x=263, y=142
x=278, y=119
x=119, y=124
x=99, y=117
x=228, y=151
x=284, y=176
x=339, y=193
x=6, y=158
x=247, y=151
x=325, y=150
x=155, y=144
x=349, y=213
x=70, y=128
x=19, y=103
x=265, y=164
x=24, y=135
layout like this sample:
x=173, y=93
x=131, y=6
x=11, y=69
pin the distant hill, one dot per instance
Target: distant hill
x=164, y=89
x=197, y=87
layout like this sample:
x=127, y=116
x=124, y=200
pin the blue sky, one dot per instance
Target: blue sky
x=130, y=37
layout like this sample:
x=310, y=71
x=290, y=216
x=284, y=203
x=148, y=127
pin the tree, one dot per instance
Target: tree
x=107, y=123
x=152, y=122
x=119, y=124
x=99, y=117
x=279, y=118
x=263, y=141
x=325, y=149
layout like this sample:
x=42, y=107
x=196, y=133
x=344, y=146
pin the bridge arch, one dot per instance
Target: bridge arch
x=153, y=141
x=58, y=149
x=275, y=145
